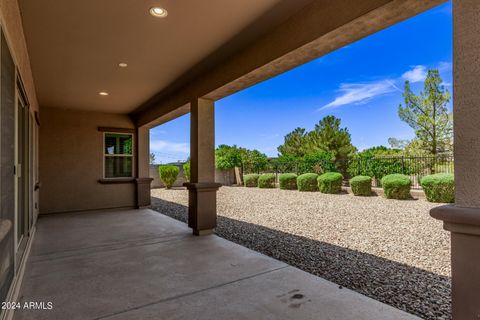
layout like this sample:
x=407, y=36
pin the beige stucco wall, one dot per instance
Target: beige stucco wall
x=71, y=162
x=11, y=22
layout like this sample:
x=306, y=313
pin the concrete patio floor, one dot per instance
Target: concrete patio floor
x=138, y=264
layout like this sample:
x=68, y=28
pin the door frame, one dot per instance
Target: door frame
x=22, y=171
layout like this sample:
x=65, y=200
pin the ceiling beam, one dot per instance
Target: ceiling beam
x=317, y=29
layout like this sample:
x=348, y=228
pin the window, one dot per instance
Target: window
x=118, y=155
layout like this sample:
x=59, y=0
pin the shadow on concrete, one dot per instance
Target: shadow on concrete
x=405, y=287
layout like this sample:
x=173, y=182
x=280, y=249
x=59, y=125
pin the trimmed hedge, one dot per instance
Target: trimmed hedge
x=307, y=182
x=330, y=182
x=266, y=180
x=396, y=186
x=168, y=174
x=361, y=185
x=288, y=181
x=439, y=187
x=251, y=180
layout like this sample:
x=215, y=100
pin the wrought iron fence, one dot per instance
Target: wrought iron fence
x=414, y=166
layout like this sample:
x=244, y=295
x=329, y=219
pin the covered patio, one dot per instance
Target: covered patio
x=124, y=264
x=84, y=82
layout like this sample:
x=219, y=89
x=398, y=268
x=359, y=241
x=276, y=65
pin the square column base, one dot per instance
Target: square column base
x=202, y=207
x=464, y=225
x=143, y=192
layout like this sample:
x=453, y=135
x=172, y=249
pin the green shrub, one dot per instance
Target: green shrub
x=288, y=181
x=396, y=186
x=307, y=182
x=330, y=182
x=168, y=174
x=251, y=180
x=266, y=180
x=186, y=170
x=439, y=187
x=361, y=185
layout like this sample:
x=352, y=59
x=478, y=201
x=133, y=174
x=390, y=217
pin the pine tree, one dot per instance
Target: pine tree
x=428, y=115
x=294, y=144
x=329, y=137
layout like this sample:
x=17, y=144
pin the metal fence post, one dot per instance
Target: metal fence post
x=276, y=172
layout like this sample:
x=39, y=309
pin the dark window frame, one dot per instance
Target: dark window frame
x=115, y=131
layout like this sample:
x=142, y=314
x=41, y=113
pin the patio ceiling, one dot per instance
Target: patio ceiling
x=75, y=46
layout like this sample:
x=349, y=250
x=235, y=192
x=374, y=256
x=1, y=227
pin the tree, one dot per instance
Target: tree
x=378, y=152
x=379, y=161
x=398, y=143
x=318, y=162
x=416, y=148
x=152, y=158
x=329, y=137
x=227, y=157
x=428, y=115
x=294, y=144
x=254, y=160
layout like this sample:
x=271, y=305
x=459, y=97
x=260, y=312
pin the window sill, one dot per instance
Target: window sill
x=116, y=180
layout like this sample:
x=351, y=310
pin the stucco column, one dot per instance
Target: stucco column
x=463, y=218
x=202, y=196
x=143, y=179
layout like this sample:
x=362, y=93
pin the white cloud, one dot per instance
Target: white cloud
x=357, y=93
x=417, y=74
x=168, y=146
x=444, y=66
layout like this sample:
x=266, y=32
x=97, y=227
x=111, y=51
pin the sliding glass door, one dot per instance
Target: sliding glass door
x=22, y=173
x=16, y=170
x=7, y=169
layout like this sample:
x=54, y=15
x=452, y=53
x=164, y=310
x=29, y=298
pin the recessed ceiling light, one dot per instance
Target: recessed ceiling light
x=103, y=93
x=158, y=12
x=122, y=65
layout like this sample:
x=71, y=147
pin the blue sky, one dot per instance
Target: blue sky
x=361, y=84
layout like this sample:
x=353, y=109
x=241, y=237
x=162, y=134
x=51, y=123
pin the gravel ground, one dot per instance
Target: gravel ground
x=390, y=250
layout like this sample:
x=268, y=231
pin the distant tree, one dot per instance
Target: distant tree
x=379, y=161
x=398, y=143
x=428, y=115
x=416, y=147
x=329, y=137
x=227, y=157
x=318, y=162
x=294, y=144
x=378, y=152
x=253, y=160
x=152, y=158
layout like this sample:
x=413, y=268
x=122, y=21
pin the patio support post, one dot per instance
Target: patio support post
x=463, y=218
x=143, y=179
x=202, y=189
